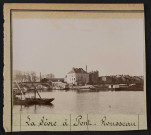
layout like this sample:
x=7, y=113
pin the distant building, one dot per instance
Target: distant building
x=65, y=78
x=117, y=79
x=77, y=76
x=105, y=79
x=93, y=77
x=120, y=79
x=59, y=85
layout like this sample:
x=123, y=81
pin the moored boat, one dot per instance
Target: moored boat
x=87, y=87
x=30, y=101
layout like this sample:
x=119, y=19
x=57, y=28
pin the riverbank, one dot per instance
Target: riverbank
x=27, y=87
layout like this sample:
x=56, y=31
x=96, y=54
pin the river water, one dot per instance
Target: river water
x=73, y=101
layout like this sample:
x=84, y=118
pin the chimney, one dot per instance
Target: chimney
x=86, y=68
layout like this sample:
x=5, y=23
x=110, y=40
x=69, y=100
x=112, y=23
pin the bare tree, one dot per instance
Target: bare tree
x=18, y=76
x=49, y=76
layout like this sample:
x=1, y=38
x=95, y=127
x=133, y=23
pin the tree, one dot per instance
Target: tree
x=49, y=76
x=20, y=76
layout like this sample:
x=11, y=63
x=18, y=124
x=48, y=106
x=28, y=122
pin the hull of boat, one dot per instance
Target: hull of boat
x=32, y=101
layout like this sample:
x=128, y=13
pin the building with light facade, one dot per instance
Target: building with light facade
x=77, y=76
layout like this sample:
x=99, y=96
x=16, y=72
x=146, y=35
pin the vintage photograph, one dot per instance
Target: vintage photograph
x=74, y=67
x=78, y=62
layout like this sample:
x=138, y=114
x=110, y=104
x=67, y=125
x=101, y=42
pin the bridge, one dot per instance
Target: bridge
x=34, y=84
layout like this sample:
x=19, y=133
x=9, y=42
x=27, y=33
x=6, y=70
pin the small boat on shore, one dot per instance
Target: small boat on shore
x=87, y=87
x=22, y=100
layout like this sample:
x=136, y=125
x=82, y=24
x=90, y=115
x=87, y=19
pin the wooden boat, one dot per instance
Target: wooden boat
x=30, y=101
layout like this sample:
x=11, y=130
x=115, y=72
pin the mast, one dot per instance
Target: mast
x=37, y=93
x=40, y=76
x=20, y=90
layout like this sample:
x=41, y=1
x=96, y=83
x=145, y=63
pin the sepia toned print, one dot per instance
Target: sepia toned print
x=77, y=66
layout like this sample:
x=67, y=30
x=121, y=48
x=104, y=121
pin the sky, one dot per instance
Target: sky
x=55, y=45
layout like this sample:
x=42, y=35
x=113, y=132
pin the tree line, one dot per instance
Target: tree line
x=29, y=76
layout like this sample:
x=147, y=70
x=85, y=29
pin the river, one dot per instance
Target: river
x=73, y=101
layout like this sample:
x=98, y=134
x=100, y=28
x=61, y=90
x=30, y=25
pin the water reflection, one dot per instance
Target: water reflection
x=32, y=108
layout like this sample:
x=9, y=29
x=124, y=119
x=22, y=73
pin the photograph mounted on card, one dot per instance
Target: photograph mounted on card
x=74, y=67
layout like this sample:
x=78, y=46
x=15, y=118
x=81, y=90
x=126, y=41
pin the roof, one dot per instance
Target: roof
x=77, y=70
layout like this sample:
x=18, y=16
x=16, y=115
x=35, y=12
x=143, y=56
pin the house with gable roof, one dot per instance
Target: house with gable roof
x=77, y=76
